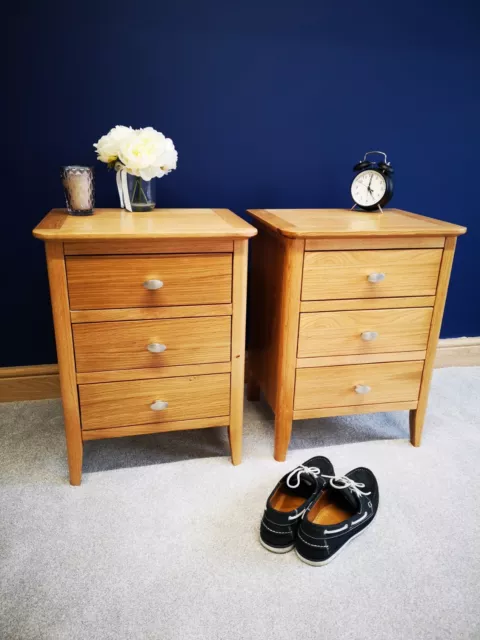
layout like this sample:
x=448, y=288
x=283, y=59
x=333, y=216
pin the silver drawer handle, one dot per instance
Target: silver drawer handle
x=376, y=277
x=159, y=405
x=363, y=388
x=156, y=347
x=369, y=335
x=151, y=285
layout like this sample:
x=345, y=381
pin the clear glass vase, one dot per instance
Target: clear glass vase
x=141, y=192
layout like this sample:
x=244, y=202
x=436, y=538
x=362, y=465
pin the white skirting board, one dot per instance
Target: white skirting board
x=458, y=352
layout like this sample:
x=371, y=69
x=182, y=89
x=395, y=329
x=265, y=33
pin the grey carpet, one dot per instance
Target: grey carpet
x=160, y=541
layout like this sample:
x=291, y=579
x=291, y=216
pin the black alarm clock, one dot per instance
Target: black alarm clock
x=372, y=187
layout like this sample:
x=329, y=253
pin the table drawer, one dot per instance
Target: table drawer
x=115, y=282
x=118, y=404
x=357, y=384
x=105, y=346
x=348, y=274
x=333, y=333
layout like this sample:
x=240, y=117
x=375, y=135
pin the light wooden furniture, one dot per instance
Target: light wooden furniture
x=149, y=314
x=346, y=308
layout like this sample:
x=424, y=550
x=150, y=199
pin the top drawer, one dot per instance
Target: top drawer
x=116, y=282
x=330, y=275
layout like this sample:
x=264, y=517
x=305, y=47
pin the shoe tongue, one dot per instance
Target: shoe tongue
x=348, y=496
x=307, y=485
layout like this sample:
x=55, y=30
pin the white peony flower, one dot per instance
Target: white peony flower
x=148, y=154
x=108, y=146
x=141, y=152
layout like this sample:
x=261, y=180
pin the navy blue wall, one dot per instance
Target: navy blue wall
x=269, y=104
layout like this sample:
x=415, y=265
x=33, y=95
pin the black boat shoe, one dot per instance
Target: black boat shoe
x=289, y=501
x=338, y=515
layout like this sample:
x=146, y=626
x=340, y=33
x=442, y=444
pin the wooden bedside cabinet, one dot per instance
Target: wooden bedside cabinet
x=346, y=311
x=149, y=315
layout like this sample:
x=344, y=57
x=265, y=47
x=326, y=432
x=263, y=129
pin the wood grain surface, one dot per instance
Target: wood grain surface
x=117, y=404
x=126, y=247
x=113, y=282
x=351, y=223
x=101, y=346
x=239, y=298
x=367, y=303
x=417, y=417
x=66, y=360
x=338, y=333
x=118, y=224
x=335, y=386
x=395, y=242
x=330, y=275
x=141, y=429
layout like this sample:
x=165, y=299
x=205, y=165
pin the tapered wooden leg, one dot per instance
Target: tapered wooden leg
x=235, y=440
x=66, y=363
x=416, y=426
x=417, y=416
x=239, y=296
x=74, y=455
x=253, y=390
x=287, y=357
x=283, y=432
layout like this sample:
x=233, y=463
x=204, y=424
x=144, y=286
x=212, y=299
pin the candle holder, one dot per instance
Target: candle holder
x=79, y=189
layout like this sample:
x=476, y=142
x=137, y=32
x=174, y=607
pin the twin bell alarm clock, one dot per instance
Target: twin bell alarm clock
x=372, y=187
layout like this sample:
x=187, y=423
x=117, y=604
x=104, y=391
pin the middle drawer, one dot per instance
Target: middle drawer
x=334, y=333
x=106, y=346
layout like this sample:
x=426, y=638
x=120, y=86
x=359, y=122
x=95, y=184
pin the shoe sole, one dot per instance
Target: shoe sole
x=321, y=563
x=276, y=549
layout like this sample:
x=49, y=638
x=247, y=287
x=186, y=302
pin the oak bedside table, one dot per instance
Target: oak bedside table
x=149, y=316
x=346, y=312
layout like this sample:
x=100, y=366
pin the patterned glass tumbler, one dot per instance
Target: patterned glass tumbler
x=79, y=189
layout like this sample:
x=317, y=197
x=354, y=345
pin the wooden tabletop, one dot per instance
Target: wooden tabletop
x=118, y=224
x=338, y=223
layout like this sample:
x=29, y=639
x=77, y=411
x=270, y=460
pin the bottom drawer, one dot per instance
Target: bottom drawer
x=357, y=384
x=119, y=404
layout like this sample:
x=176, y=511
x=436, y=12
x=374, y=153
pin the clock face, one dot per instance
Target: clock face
x=368, y=188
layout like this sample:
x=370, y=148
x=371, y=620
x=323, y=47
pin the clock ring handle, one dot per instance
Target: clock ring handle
x=381, y=153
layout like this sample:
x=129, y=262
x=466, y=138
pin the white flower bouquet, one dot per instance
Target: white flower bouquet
x=138, y=156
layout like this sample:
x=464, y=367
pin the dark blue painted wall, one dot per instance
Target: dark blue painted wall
x=269, y=104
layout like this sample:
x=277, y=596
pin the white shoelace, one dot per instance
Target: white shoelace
x=298, y=472
x=348, y=483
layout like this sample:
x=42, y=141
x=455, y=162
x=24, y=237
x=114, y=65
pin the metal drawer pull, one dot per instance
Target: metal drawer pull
x=151, y=285
x=156, y=347
x=159, y=405
x=369, y=335
x=363, y=388
x=376, y=277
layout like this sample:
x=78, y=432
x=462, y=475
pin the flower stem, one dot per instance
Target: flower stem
x=135, y=189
